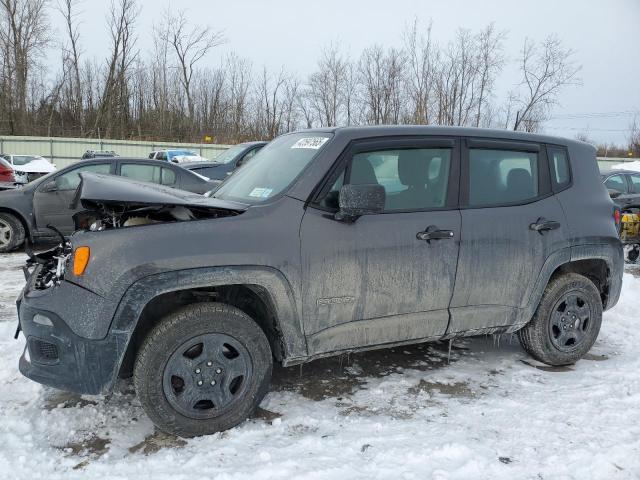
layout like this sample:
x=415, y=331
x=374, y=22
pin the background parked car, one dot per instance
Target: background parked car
x=623, y=186
x=176, y=156
x=47, y=200
x=98, y=154
x=29, y=167
x=225, y=163
x=7, y=175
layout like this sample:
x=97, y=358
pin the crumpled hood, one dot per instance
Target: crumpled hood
x=111, y=190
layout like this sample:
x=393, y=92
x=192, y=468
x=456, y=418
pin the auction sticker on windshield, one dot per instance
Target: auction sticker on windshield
x=313, y=143
x=260, y=192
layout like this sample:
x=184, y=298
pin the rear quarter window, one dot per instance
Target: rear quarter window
x=560, y=168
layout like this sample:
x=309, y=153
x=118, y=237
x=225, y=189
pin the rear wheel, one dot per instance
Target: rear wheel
x=203, y=369
x=11, y=232
x=566, y=323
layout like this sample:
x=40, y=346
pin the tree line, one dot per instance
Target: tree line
x=170, y=93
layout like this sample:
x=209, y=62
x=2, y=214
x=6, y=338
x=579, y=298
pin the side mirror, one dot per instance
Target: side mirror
x=614, y=193
x=50, y=186
x=358, y=200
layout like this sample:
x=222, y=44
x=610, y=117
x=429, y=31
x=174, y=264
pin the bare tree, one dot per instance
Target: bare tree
x=381, y=77
x=634, y=138
x=71, y=61
x=489, y=63
x=24, y=34
x=421, y=61
x=327, y=86
x=114, y=98
x=190, y=45
x=546, y=69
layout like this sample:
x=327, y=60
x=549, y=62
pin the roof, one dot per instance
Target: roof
x=380, y=130
x=199, y=164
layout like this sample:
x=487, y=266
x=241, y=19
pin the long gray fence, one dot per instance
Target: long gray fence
x=64, y=151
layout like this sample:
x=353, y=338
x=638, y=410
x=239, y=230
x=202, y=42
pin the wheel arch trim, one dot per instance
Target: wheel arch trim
x=143, y=291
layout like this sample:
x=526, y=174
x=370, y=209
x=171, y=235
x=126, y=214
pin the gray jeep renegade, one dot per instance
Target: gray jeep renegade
x=333, y=240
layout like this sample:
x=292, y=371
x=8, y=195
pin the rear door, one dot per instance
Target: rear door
x=375, y=281
x=511, y=223
x=52, y=200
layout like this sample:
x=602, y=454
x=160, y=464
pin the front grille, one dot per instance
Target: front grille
x=44, y=352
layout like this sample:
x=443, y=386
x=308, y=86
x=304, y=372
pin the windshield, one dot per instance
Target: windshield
x=230, y=153
x=23, y=159
x=180, y=153
x=269, y=173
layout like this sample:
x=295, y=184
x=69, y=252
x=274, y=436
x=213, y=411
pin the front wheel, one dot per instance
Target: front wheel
x=203, y=369
x=566, y=323
x=12, y=232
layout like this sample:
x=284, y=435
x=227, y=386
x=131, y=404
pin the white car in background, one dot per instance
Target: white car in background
x=176, y=156
x=29, y=167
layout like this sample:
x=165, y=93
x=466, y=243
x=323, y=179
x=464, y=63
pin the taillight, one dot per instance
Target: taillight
x=6, y=173
x=617, y=217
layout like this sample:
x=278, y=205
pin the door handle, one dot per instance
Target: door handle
x=434, y=233
x=542, y=225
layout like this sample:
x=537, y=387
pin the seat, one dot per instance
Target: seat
x=362, y=172
x=519, y=185
x=413, y=172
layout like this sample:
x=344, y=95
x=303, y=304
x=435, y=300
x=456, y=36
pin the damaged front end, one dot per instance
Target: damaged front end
x=110, y=201
x=48, y=266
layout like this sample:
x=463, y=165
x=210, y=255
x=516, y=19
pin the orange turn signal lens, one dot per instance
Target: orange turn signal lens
x=80, y=260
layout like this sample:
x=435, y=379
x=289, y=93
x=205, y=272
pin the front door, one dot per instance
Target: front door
x=379, y=280
x=52, y=200
x=510, y=225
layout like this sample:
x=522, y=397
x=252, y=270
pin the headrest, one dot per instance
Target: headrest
x=362, y=172
x=413, y=167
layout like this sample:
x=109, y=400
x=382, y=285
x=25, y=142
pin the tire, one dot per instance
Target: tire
x=11, y=232
x=203, y=369
x=566, y=323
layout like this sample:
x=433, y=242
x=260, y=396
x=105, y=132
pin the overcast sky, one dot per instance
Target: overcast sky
x=604, y=33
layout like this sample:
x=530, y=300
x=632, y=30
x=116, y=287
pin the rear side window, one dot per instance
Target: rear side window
x=168, y=176
x=635, y=183
x=559, y=164
x=143, y=173
x=498, y=177
x=616, y=183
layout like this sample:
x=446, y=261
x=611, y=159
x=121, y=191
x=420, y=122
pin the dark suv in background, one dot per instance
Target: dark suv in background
x=337, y=240
x=623, y=186
x=225, y=163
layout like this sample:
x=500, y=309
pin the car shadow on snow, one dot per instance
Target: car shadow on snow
x=336, y=379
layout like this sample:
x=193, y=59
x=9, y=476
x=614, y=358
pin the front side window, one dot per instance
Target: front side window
x=498, y=177
x=71, y=179
x=635, y=183
x=413, y=178
x=616, y=183
x=143, y=173
x=280, y=164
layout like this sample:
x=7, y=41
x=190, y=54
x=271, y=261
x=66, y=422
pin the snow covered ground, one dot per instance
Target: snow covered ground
x=407, y=413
